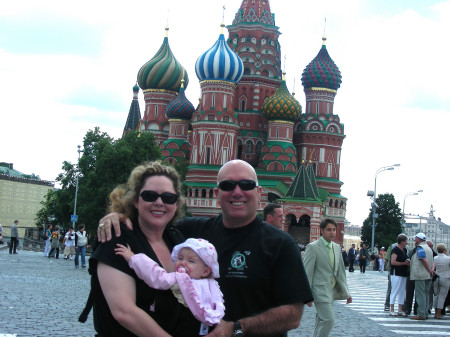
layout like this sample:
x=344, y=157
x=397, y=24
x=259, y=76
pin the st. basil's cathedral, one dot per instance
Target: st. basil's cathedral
x=247, y=112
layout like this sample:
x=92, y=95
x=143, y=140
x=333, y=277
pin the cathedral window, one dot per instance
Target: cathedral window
x=156, y=111
x=336, y=203
x=253, y=40
x=225, y=102
x=317, y=107
x=249, y=146
x=176, y=130
x=329, y=170
x=278, y=133
x=328, y=108
x=211, y=117
x=322, y=155
x=243, y=103
x=196, y=192
x=226, y=119
x=208, y=155
x=341, y=205
x=211, y=193
x=247, y=124
x=203, y=193
x=330, y=203
x=213, y=101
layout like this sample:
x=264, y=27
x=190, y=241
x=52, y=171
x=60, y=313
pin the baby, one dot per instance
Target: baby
x=196, y=267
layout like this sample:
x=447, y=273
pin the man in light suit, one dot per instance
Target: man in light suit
x=326, y=274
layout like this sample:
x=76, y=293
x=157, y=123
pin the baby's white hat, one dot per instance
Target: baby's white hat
x=204, y=249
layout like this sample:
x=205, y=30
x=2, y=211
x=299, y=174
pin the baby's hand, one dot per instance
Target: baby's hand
x=125, y=252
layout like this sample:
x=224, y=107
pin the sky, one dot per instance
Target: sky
x=67, y=67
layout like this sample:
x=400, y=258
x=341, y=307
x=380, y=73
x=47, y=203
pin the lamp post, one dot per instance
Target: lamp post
x=374, y=204
x=404, y=199
x=76, y=190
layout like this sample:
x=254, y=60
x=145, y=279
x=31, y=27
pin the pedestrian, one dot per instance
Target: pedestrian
x=363, y=258
x=196, y=268
x=273, y=215
x=261, y=272
x=323, y=261
x=388, y=268
x=421, y=272
x=442, y=284
x=80, y=246
x=47, y=234
x=381, y=257
x=69, y=241
x=54, y=242
x=14, y=237
x=345, y=257
x=399, y=272
x=351, y=258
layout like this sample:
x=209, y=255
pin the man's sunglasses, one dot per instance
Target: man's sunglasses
x=166, y=197
x=244, y=184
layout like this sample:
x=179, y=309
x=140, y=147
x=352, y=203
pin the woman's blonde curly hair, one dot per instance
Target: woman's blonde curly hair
x=122, y=198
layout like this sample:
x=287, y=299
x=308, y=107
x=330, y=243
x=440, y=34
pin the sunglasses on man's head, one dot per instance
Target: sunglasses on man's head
x=166, y=197
x=244, y=184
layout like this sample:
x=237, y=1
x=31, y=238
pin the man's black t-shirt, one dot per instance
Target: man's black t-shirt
x=260, y=265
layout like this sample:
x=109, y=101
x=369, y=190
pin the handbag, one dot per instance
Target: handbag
x=435, y=277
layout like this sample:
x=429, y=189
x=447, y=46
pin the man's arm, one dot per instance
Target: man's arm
x=427, y=266
x=109, y=222
x=276, y=320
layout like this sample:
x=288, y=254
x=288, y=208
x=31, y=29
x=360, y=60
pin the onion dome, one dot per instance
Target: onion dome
x=163, y=71
x=219, y=63
x=322, y=72
x=282, y=105
x=136, y=88
x=180, y=107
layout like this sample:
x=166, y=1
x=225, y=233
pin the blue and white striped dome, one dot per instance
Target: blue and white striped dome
x=219, y=63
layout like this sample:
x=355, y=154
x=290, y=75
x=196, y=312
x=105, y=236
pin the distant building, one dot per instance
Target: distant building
x=20, y=198
x=434, y=229
x=351, y=239
x=350, y=229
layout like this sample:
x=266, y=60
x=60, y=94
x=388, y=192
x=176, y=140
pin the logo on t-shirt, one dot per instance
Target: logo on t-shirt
x=238, y=260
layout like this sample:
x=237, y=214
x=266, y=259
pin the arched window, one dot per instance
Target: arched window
x=196, y=192
x=336, y=203
x=330, y=203
x=203, y=193
x=156, y=111
x=249, y=146
x=211, y=193
x=341, y=204
x=243, y=103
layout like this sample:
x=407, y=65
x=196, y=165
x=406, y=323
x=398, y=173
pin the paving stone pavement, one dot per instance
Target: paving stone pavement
x=43, y=297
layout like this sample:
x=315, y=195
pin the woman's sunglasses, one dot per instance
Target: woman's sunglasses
x=244, y=184
x=166, y=197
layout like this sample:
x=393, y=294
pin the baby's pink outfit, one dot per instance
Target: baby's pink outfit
x=203, y=297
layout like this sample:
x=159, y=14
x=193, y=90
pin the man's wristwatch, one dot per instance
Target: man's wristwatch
x=237, y=332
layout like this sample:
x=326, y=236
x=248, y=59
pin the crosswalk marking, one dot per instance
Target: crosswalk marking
x=369, y=300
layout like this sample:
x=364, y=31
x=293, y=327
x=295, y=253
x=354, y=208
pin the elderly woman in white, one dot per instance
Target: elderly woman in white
x=442, y=284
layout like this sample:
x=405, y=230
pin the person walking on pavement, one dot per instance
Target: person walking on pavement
x=421, y=273
x=442, y=284
x=351, y=258
x=381, y=257
x=47, y=234
x=69, y=241
x=363, y=258
x=326, y=274
x=54, y=242
x=14, y=237
x=80, y=246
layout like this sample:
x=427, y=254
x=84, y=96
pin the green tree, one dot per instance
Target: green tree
x=104, y=164
x=388, y=223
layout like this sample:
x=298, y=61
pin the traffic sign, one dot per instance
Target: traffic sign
x=74, y=218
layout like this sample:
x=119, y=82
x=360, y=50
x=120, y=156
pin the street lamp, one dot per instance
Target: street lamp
x=374, y=196
x=404, y=199
x=76, y=191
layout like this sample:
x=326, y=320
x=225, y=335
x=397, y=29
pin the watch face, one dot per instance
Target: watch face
x=238, y=333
